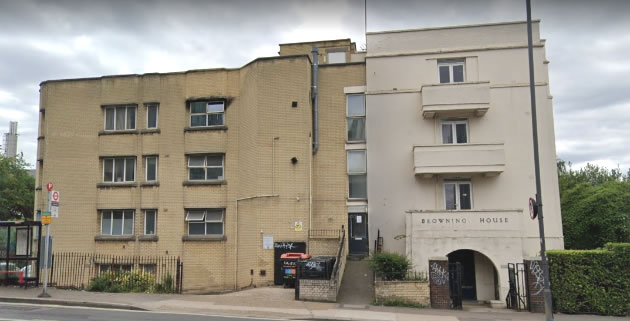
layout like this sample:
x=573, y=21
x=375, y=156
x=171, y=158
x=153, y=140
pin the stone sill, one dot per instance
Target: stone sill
x=118, y=132
x=147, y=184
x=150, y=131
x=114, y=238
x=108, y=185
x=148, y=238
x=208, y=128
x=212, y=182
x=203, y=238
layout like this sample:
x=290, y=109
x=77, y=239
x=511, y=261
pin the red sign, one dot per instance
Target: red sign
x=55, y=196
x=49, y=186
x=533, y=208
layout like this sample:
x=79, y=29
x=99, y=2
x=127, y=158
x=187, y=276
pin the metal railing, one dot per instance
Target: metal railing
x=327, y=234
x=401, y=276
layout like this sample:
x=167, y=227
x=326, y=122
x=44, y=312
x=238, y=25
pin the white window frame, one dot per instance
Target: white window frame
x=363, y=116
x=453, y=123
x=450, y=63
x=146, y=169
x=157, y=115
x=135, y=161
x=127, y=107
x=357, y=173
x=204, y=220
x=457, y=195
x=206, y=113
x=111, y=225
x=154, y=222
x=206, y=166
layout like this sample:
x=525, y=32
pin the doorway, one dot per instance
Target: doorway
x=358, y=234
x=467, y=260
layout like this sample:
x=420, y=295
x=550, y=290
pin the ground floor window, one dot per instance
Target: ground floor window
x=205, y=221
x=117, y=222
x=117, y=268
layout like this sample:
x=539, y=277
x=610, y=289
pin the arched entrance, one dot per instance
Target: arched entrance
x=479, y=275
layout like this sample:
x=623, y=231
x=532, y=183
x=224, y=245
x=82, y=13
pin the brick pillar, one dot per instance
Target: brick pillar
x=535, y=285
x=438, y=284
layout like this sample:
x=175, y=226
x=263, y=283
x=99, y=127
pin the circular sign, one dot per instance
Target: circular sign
x=49, y=186
x=55, y=196
x=533, y=208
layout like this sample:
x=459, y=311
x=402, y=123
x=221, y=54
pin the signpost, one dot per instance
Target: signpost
x=53, y=211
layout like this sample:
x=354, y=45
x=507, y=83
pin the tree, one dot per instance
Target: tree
x=595, y=205
x=17, y=189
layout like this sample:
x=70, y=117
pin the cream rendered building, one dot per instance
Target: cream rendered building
x=202, y=164
x=449, y=149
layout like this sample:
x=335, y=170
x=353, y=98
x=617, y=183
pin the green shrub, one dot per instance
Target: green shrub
x=390, y=266
x=399, y=302
x=591, y=281
x=134, y=281
x=166, y=286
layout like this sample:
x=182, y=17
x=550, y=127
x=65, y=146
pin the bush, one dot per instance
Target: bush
x=390, y=266
x=591, y=281
x=166, y=286
x=134, y=281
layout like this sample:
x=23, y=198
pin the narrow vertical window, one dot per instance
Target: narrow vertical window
x=150, y=218
x=152, y=116
x=458, y=195
x=357, y=174
x=151, y=168
x=355, y=110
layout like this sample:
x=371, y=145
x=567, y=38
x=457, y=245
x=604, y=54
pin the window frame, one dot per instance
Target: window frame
x=146, y=168
x=454, y=123
x=356, y=173
x=206, y=113
x=157, y=115
x=154, y=221
x=361, y=116
x=114, y=107
x=113, y=181
x=206, y=167
x=204, y=220
x=111, y=225
x=450, y=63
x=457, y=183
x=336, y=53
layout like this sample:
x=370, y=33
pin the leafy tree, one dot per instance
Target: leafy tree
x=17, y=189
x=595, y=205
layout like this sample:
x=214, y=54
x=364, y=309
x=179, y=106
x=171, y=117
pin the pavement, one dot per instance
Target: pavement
x=267, y=302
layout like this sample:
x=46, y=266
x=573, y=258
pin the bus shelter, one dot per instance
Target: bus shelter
x=19, y=252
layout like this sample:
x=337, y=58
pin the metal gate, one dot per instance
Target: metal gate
x=455, y=285
x=517, y=298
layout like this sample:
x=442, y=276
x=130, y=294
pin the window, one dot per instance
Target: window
x=150, y=217
x=355, y=105
x=120, y=118
x=152, y=115
x=151, y=165
x=451, y=71
x=205, y=114
x=117, y=222
x=357, y=174
x=338, y=57
x=115, y=268
x=454, y=131
x=149, y=268
x=205, y=221
x=205, y=167
x=457, y=195
x=119, y=170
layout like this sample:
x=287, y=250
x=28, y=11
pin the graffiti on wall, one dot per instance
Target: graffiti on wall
x=537, y=272
x=439, y=275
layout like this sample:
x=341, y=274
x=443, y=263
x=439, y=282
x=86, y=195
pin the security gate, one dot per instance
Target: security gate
x=455, y=284
x=517, y=297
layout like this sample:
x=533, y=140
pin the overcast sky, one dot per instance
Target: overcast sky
x=588, y=44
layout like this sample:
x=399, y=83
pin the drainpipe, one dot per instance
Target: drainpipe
x=314, y=98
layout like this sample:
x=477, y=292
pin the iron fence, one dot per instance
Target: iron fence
x=329, y=234
x=518, y=296
x=401, y=276
x=73, y=270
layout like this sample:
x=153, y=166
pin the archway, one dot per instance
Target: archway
x=480, y=280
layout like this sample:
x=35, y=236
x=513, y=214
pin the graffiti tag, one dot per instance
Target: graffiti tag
x=288, y=246
x=439, y=275
x=537, y=272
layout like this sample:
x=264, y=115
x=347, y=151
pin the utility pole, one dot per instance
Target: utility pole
x=541, y=224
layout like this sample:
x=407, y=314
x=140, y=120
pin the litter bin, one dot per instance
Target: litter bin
x=289, y=265
x=317, y=268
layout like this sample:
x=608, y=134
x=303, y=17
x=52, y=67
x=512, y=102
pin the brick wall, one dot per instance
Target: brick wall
x=410, y=291
x=318, y=290
x=535, y=285
x=439, y=283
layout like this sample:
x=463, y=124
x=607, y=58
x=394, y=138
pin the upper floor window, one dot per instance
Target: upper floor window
x=152, y=115
x=119, y=170
x=357, y=174
x=151, y=168
x=120, y=118
x=355, y=105
x=457, y=195
x=117, y=222
x=205, y=221
x=337, y=57
x=451, y=70
x=150, y=217
x=454, y=131
x=205, y=114
x=205, y=167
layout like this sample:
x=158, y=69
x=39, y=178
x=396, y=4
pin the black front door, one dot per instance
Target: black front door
x=467, y=259
x=358, y=235
x=280, y=248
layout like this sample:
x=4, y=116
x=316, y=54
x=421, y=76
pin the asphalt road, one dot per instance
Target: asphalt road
x=20, y=312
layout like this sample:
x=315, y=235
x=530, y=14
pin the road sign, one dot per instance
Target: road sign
x=46, y=220
x=49, y=186
x=54, y=211
x=45, y=214
x=533, y=208
x=55, y=197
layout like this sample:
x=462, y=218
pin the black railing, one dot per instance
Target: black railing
x=331, y=234
x=401, y=276
x=518, y=296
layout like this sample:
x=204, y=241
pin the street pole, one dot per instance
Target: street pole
x=45, y=294
x=541, y=223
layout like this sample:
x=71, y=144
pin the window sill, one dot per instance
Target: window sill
x=147, y=184
x=114, y=238
x=107, y=185
x=355, y=141
x=212, y=182
x=357, y=199
x=203, y=238
x=148, y=238
x=209, y=128
x=150, y=131
x=118, y=132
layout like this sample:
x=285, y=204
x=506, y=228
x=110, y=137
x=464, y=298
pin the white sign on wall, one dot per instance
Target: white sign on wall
x=267, y=242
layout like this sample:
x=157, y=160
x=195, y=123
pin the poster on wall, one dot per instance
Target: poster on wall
x=267, y=242
x=21, y=242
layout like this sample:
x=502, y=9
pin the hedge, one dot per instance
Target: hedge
x=591, y=281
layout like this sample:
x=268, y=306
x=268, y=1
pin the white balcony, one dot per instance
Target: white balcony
x=455, y=99
x=487, y=159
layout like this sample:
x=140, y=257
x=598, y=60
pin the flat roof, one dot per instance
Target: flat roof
x=305, y=42
x=451, y=27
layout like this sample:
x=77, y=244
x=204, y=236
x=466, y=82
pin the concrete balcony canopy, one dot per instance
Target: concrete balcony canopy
x=487, y=159
x=455, y=99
